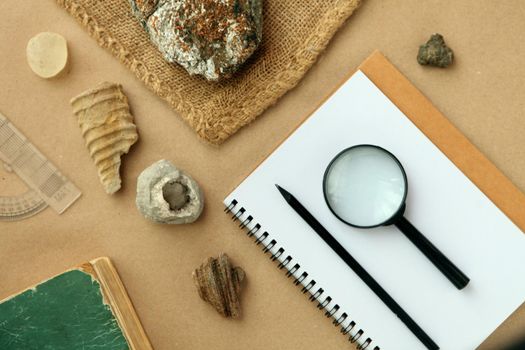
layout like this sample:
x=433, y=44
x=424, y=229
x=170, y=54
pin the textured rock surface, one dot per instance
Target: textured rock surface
x=167, y=195
x=212, y=38
x=219, y=283
x=142, y=9
x=108, y=129
x=435, y=52
x=176, y=195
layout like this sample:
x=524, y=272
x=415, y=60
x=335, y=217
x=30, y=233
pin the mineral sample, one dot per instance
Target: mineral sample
x=167, y=195
x=212, y=38
x=142, y=9
x=108, y=129
x=219, y=283
x=435, y=52
x=47, y=54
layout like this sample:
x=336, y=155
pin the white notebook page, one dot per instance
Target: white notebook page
x=442, y=203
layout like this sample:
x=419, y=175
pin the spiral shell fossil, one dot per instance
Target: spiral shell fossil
x=108, y=129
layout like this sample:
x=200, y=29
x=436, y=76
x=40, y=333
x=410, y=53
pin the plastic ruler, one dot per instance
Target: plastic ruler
x=47, y=185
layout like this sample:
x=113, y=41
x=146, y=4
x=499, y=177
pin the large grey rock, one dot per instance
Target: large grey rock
x=167, y=195
x=212, y=38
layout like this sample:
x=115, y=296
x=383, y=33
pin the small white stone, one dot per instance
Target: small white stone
x=47, y=54
x=150, y=198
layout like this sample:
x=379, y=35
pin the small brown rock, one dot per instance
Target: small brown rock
x=219, y=284
x=435, y=52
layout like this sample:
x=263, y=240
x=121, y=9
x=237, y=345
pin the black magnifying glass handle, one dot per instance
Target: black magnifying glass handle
x=451, y=271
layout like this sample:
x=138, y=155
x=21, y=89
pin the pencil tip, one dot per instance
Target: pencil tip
x=283, y=192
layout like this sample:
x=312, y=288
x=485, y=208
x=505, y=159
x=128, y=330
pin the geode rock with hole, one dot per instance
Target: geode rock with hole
x=168, y=195
x=212, y=38
x=435, y=52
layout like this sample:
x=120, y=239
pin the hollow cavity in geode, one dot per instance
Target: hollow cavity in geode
x=176, y=194
x=168, y=195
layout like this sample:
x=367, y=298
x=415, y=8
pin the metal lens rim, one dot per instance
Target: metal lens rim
x=399, y=210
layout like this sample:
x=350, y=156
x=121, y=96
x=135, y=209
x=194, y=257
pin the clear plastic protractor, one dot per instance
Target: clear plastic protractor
x=20, y=207
x=39, y=174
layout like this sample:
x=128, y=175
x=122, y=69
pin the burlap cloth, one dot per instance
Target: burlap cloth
x=295, y=33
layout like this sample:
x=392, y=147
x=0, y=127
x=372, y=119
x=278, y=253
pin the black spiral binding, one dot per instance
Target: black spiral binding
x=264, y=239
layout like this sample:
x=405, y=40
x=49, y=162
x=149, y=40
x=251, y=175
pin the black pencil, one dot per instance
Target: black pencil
x=359, y=270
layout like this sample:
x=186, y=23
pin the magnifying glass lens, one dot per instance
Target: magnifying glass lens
x=365, y=186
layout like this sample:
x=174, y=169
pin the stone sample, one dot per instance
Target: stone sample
x=108, y=129
x=219, y=284
x=168, y=195
x=142, y=9
x=47, y=54
x=212, y=38
x=435, y=52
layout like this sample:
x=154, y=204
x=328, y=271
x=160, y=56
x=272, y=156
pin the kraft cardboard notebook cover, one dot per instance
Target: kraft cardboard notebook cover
x=480, y=170
x=485, y=216
x=489, y=179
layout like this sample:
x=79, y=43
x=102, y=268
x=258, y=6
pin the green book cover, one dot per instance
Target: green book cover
x=64, y=313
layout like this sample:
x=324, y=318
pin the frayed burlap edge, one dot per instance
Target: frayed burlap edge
x=224, y=123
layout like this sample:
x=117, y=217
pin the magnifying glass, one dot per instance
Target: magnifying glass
x=365, y=186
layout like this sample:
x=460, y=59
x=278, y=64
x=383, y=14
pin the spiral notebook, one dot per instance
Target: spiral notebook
x=478, y=230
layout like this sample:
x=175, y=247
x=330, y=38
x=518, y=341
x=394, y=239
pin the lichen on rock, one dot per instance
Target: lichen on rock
x=142, y=9
x=212, y=38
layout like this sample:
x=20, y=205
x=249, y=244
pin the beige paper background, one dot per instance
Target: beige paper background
x=482, y=94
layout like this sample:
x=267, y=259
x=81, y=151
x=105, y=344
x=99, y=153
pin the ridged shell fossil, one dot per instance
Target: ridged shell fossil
x=108, y=129
x=219, y=284
x=167, y=195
